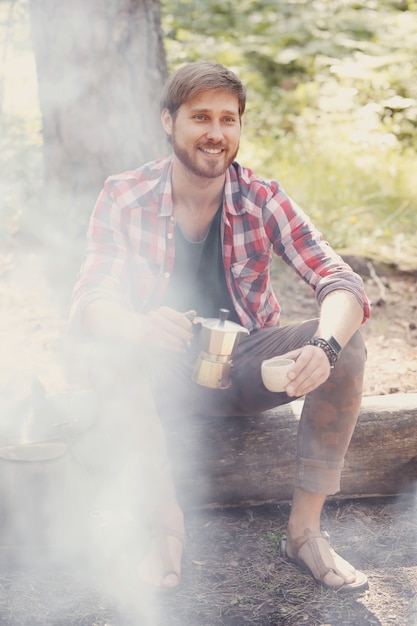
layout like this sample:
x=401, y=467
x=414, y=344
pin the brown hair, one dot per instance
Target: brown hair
x=193, y=78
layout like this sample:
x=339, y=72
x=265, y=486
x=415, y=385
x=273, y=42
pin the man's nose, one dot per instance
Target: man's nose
x=215, y=132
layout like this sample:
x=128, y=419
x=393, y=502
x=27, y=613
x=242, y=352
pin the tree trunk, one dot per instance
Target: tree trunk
x=101, y=66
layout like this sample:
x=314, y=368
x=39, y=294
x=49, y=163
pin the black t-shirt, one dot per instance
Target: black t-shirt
x=198, y=281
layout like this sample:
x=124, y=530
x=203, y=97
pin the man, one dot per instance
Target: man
x=195, y=232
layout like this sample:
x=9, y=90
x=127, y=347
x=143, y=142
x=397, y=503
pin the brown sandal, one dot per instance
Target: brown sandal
x=318, y=547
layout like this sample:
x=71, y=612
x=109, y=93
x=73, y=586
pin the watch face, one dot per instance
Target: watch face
x=334, y=344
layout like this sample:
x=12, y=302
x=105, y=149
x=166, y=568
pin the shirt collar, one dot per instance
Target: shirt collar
x=235, y=191
x=163, y=190
x=235, y=200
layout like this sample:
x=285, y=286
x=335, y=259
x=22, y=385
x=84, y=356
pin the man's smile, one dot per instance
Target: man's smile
x=211, y=150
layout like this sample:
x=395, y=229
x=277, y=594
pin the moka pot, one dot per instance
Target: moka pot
x=217, y=339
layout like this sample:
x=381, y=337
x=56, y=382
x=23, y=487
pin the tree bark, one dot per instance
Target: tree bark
x=101, y=66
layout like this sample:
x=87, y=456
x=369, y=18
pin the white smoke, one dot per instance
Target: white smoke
x=52, y=511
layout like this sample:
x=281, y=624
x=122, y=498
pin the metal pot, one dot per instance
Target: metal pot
x=218, y=339
x=37, y=427
x=219, y=335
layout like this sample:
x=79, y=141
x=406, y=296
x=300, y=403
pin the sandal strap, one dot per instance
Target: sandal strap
x=298, y=542
x=323, y=563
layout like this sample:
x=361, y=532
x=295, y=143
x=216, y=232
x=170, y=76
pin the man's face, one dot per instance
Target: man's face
x=205, y=133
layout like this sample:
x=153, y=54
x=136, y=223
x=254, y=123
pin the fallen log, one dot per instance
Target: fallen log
x=46, y=489
x=221, y=462
x=245, y=461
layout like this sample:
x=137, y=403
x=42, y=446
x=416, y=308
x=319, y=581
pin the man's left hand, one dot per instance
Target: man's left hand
x=311, y=369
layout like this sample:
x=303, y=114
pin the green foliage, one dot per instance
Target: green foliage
x=20, y=123
x=21, y=171
x=332, y=106
x=275, y=538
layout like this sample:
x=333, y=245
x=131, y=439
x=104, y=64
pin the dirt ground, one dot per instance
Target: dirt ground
x=233, y=573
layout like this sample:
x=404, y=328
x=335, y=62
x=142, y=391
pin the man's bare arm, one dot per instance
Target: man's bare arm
x=340, y=316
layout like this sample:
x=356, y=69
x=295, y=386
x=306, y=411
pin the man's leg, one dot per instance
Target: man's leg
x=132, y=471
x=305, y=516
x=326, y=426
x=327, y=423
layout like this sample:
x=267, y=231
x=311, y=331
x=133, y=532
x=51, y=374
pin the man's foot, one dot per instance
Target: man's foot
x=160, y=568
x=314, y=552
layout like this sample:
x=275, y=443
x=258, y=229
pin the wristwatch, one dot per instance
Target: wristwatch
x=330, y=346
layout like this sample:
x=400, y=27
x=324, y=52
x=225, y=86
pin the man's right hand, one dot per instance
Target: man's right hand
x=169, y=329
x=163, y=328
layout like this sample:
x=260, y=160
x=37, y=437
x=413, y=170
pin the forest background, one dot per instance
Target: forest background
x=332, y=107
x=332, y=110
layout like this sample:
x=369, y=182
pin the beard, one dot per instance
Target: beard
x=202, y=166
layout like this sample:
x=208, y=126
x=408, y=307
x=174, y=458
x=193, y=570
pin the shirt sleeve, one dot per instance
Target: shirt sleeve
x=301, y=246
x=103, y=273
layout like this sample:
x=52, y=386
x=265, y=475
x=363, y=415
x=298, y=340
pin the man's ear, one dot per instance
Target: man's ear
x=166, y=120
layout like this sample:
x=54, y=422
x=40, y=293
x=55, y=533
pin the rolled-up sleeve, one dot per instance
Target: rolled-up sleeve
x=302, y=247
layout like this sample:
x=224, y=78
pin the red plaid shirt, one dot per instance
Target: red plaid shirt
x=130, y=250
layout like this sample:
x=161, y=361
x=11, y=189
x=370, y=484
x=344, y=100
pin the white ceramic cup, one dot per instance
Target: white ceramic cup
x=274, y=373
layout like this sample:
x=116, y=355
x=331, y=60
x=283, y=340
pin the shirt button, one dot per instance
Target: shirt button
x=170, y=235
x=166, y=275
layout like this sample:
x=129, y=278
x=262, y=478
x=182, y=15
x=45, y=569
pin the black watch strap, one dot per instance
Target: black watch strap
x=330, y=346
